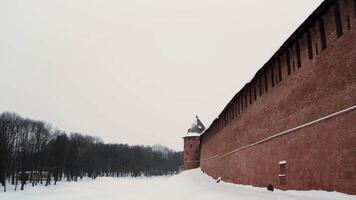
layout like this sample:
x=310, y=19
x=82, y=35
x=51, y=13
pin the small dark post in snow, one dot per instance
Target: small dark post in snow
x=270, y=187
x=23, y=179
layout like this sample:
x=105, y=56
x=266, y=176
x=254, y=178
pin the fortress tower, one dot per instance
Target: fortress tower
x=192, y=145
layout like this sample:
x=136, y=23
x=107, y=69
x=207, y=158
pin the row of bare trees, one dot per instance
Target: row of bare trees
x=33, y=152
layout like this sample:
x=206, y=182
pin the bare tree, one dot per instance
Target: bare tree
x=32, y=151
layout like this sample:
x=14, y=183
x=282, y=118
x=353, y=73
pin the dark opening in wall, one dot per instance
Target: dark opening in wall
x=354, y=8
x=288, y=62
x=260, y=85
x=238, y=107
x=310, y=46
x=225, y=120
x=254, y=90
x=338, y=20
x=322, y=33
x=266, y=80
x=279, y=70
x=250, y=92
x=272, y=74
x=297, y=51
x=242, y=103
x=348, y=22
x=229, y=114
x=222, y=122
x=226, y=117
x=316, y=48
x=232, y=112
x=245, y=98
x=234, y=109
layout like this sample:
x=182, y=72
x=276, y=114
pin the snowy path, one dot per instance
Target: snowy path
x=188, y=185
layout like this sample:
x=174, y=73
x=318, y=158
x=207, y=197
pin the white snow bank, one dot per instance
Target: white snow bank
x=189, y=185
x=282, y=162
x=191, y=135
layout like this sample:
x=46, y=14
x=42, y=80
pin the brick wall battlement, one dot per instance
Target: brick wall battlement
x=311, y=76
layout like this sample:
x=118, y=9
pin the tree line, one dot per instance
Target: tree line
x=34, y=152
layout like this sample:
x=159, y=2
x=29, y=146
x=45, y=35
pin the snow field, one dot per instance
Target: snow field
x=189, y=185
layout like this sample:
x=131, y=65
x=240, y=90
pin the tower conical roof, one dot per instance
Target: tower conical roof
x=196, y=129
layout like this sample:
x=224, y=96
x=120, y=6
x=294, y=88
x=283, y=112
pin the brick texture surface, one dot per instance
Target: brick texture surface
x=320, y=156
x=191, y=152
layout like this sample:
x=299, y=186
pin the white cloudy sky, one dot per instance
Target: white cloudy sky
x=135, y=71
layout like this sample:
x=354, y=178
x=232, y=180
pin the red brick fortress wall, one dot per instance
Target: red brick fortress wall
x=279, y=115
x=191, y=152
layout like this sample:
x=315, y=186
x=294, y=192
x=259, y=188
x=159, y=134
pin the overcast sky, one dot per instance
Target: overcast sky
x=135, y=71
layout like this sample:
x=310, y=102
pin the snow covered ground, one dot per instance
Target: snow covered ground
x=189, y=185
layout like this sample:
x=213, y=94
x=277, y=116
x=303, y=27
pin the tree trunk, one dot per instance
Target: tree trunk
x=48, y=181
